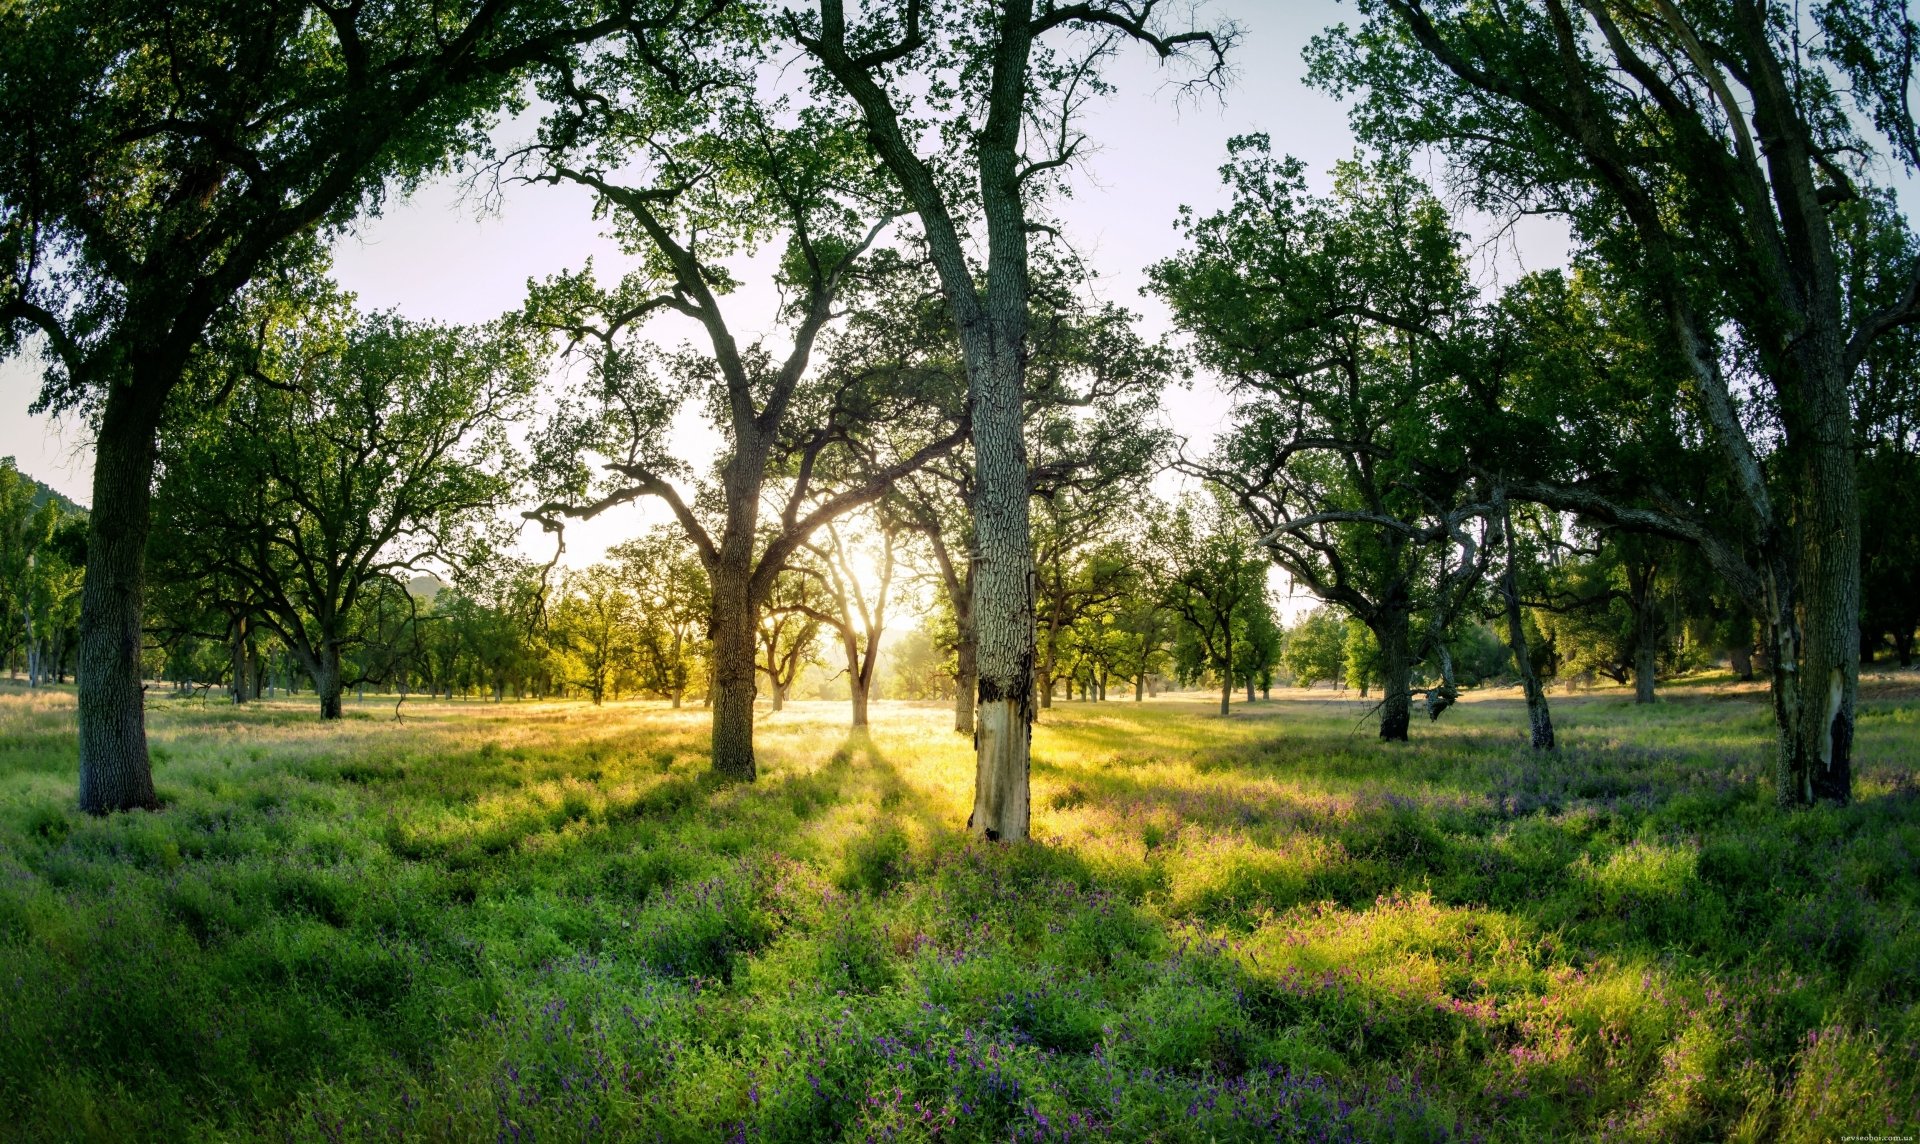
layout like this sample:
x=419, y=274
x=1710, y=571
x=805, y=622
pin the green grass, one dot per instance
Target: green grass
x=543, y=922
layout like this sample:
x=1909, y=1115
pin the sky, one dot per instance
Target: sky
x=435, y=256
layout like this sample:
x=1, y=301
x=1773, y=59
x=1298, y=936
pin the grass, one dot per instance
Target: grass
x=543, y=922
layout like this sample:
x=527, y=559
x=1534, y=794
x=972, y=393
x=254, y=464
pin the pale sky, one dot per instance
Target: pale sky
x=432, y=257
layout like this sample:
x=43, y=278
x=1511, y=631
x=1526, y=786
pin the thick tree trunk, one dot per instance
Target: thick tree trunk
x=966, y=676
x=115, y=773
x=1139, y=686
x=1226, y=694
x=1740, y=658
x=1829, y=551
x=1002, y=570
x=1249, y=689
x=1396, y=674
x=733, y=672
x=1646, y=660
x=858, y=687
x=327, y=683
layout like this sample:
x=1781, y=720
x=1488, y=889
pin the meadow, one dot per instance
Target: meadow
x=543, y=922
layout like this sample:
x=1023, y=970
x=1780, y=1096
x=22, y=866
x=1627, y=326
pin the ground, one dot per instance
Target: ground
x=543, y=922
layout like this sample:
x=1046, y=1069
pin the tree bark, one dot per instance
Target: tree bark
x=858, y=686
x=1539, y=715
x=1003, y=569
x=115, y=773
x=1249, y=689
x=733, y=671
x=242, y=670
x=1396, y=673
x=1647, y=629
x=1047, y=678
x=677, y=672
x=1740, y=658
x=966, y=676
x=327, y=682
x=1829, y=551
x=1139, y=686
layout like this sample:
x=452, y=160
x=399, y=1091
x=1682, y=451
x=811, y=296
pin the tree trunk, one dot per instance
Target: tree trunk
x=1396, y=674
x=677, y=672
x=1539, y=716
x=1139, y=686
x=966, y=676
x=242, y=671
x=327, y=684
x=858, y=687
x=1047, y=679
x=1249, y=689
x=1740, y=658
x=1003, y=568
x=1226, y=693
x=1829, y=550
x=1903, y=647
x=733, y=676
x=115, y=773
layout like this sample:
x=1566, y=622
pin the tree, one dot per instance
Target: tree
x=915, y=667
x=665, y=575
x=596, y=622
x=788, y=636
x=1339, y=323
x=1699, y=146
x=1079, y=569
x=368, y=449
x=715, y=173
x=1143, y=625
x=496, y=606
x=1539, y=715
x=19, y=540
x=857, y=600
x=985, y=71
x=1215, y=579
x=1092, y=386
x=1316, y=648
x=158, y=158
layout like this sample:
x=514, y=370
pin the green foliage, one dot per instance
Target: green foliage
x=1346, y=323
x=368, y=449
x=1214, y=582
x=1316, y=648
x=43, y=547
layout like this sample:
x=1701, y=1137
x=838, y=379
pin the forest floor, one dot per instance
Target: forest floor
x=540, y=922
